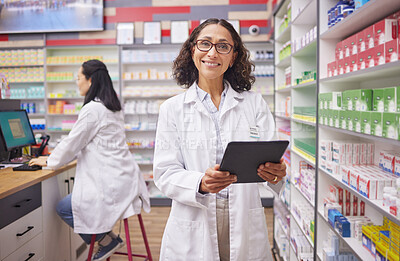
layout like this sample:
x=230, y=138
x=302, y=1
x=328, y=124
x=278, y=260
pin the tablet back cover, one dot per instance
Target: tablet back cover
x=243, y=158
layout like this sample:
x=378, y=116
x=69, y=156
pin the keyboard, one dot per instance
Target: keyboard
x=26, y=167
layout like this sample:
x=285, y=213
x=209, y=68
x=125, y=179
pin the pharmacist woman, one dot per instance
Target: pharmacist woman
x=108, y=183
x=211, y=218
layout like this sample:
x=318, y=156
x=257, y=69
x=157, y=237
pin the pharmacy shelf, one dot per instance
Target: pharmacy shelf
x=362, y=135
x=308, y=50
x=370, y=12
x=28, y=99
x=21, y=65
x=285, y=35
x=285, y=230
x=26, y=82
x=149, y=80
x=308, y=158
x=373, y=73
x=303, y=121
x=376, y=204
x=302, y=230
x=66, y=98
x=74, y=64
x=304, y=196
x=352, y=243
x=305, y=85
x=294, y=251
x=284, y=63
x=284, y=90
x=36, y=115
x=147, y=63
x=146, y=97
x=308, y=15
x=282, y=117
x=62, y=114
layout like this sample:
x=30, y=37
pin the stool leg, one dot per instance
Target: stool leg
x=128, y=239
x=145, y=237
x=91, y=247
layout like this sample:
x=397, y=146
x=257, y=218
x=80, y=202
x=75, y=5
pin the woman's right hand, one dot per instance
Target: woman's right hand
x=214, y=180
x=41, y=161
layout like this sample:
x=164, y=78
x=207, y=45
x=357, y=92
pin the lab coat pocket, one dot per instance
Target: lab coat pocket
x=258, y=235
x=184, y=240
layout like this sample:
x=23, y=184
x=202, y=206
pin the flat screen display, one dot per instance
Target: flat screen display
x=40, y=16
x=16, y=129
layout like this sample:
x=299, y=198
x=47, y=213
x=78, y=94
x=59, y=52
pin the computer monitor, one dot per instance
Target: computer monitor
x=16, y=131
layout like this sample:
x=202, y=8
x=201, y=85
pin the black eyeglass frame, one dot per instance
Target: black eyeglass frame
x=212, y=45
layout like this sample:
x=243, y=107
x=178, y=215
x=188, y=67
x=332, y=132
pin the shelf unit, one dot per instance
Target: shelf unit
x=303, y=94
x=381, y=76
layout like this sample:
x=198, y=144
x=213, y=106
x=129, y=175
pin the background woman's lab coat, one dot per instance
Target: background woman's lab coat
x=185, y=148
x=108, y=184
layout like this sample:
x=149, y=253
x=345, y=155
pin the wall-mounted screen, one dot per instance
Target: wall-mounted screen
x=41, y=16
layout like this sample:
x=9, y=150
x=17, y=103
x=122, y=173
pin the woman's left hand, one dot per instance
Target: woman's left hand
x=41, y=161
x=272, y=172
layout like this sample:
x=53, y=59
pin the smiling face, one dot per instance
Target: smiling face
x=83, y=83
x=212, y=65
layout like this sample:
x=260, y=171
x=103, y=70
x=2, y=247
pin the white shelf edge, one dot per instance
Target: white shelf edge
x=299, y=52
x=283, y=90
x=303, y=122
x=282, y=117
x=304, y=85
x=361, y=135
x=376, y=204
x=365, y=73
x=359, y=251
x=293, y=149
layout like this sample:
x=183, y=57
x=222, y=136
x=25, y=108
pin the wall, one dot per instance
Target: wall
x=249, y=12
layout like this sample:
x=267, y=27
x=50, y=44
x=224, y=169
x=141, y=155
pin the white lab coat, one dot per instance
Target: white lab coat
x=108, y=183
x=185, y=148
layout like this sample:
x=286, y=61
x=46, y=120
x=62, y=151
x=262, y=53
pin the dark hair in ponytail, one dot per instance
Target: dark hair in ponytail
x=102, y=86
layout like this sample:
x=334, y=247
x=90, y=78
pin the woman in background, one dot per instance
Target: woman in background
x=108, y=184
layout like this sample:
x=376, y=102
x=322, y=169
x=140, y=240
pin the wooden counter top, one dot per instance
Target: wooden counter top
x=14, y=181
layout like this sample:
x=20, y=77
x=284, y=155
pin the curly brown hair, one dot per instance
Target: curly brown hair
x=239, y=75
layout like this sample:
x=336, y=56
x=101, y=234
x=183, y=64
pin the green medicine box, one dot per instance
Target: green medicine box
x=390, y=99
x=349, y=120
x=390, y=125
x=343, y=119
x=366, y=122
x=376, y=123
x=378, y=100
x=362, y=100
x=330, y=118
x=398, y=99
x=356, y=121
x=336, y=118
x=347, y=100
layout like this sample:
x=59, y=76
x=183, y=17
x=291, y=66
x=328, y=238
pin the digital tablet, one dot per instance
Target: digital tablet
x=243, y=158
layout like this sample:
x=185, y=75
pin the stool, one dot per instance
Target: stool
x=128, y=243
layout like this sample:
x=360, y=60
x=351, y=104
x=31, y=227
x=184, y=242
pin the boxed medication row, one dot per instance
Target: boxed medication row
x=145, y=91
x=72, y=59
x=21, y=57
x=375, y=45
x=142, y=107
x=305, y=40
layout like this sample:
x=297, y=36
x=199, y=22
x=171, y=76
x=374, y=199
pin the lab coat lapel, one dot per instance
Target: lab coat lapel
x=231, y=100
x=191, y=97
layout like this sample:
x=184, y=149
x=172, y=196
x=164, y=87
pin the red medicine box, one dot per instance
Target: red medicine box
x=340, y=67
x=392, y=51
x=361, y=60
x=352, y=42
x=369, y=37
x=369, y=58
x=385, y=31
x=379, y=54
x=354, y=63
x=339, y=51
x=346, y=47
x=361, y=43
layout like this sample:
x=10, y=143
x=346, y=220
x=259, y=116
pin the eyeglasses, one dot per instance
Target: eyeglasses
x=221, y=48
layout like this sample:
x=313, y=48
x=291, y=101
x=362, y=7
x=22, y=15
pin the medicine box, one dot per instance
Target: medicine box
x=346, y=47
x=369, y=58
x=398, y=97
x=385, y=31
x=356, y=121
x=376, y=122
x=335, y=101
x=378, y=100
x=360, y=41
x=369, y=36
x=340, y=67
x=347, y=64
x=397, y=166
x=391, y=125
x=359, y=3
x=343, y=119
x=336, y=118
x=362, y=100
x=339, y=51
x=391, y=51
x=390, y=99
x=350, y=126
x=379, y=55
x=354, y=62
x=366, y=122
x=361, y=60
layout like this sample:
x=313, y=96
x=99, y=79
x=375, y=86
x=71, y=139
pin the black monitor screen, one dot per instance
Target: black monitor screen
x=16, y=129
